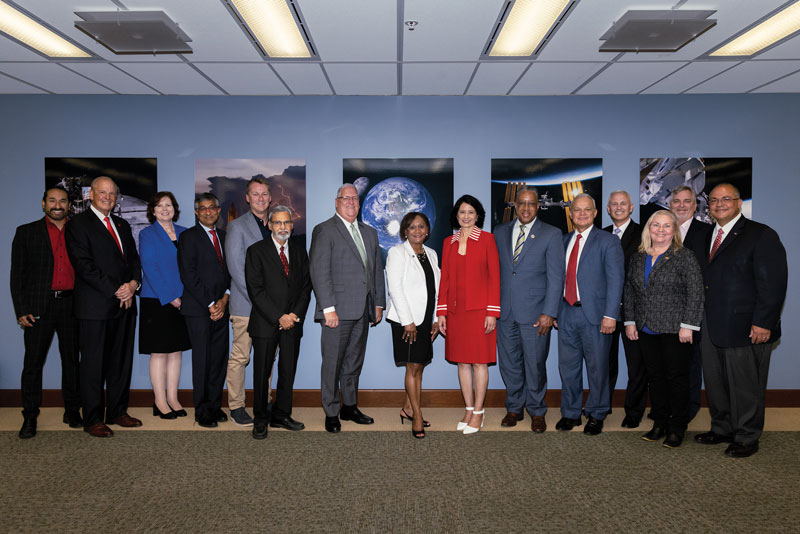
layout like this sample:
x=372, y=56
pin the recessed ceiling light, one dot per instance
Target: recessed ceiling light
x=768, y=32
x=273, y=24
x=526, y=26
x=31, y=33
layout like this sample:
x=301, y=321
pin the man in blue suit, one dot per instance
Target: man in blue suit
x=531, y=281
x=588, y=316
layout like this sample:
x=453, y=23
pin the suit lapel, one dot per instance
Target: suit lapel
x=627, y=236
x=528, y=243
x=733, y=235
x=344, y=230
x=101, y=227
x=664, y=259
x=275, y=258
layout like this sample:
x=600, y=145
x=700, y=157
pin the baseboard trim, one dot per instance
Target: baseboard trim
x=433, y=398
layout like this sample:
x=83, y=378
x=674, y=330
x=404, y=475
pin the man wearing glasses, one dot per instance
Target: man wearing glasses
x=745, y=274
x=347, y=273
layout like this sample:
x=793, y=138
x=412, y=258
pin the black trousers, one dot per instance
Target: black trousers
x=636, y=390
x=210, y=343
x=38, y=338
x=667, y=361
x=264, y=352
x=106, y=359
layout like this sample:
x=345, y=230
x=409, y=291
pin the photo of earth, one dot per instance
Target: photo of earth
x=385, y=205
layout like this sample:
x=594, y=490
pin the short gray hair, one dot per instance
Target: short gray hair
x=202, y=197
x=528, y=188
x=620, y=192
x=279, y=209
x=116, y=187
x=586, y=195
x=342, y=187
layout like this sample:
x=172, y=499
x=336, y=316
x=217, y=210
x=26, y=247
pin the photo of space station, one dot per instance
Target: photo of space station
x=558, y=181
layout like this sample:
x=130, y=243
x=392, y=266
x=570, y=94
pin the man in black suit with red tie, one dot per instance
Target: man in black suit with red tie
x=279, y=286
x=745, y=275
x=629, y=233
x=107, y=275
x=42, y=282
x=204, y=305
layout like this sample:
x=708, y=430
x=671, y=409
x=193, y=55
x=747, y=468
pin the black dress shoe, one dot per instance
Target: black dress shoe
x=741, y=450
x=352, y=413
x=630, y=422
x=286, y=422
x=220, y=416
x=565, y=423
x=655, y=434
x=712, y=438
x=260, y=430
x=73, y=419
x=593, y=426
x=28, y=429
x=180, y=413
x=673, y=440
x=332, y=424
x=207, y=422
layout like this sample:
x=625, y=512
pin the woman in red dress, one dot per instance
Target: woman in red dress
x=469, y=305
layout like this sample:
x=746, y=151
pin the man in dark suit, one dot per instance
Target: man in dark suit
x=279, y=286
x=107, y=275
x=588, y=316
x=347, y=274
x=745, y=274
x=204, y=305
x=683, y=203
x=531, y=280
x=629, y=233
x=42, y=281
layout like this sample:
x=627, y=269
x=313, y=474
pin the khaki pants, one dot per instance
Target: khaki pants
x=237, y=363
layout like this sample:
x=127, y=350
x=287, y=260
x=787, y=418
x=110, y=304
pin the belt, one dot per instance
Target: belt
x=61, y=293
x=576, y=305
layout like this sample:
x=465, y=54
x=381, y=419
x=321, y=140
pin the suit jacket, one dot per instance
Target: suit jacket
x=271, y=292
x=745, y=284
x=630, y=240
x=534, y=285
x=160, y=277
x=600, y=275
x=205, y=279
x=338, y=274
x=696, y=238
x=673, y=297
x=241, y=233
x=31, y=269
x=408, y=290
x=100, y=267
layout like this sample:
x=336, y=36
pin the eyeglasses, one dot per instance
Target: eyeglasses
x=347, y=199
x=723, y=200
x=282, y=223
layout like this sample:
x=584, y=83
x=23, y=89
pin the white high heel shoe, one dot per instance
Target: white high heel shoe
x=461, y=424
x=472, y=430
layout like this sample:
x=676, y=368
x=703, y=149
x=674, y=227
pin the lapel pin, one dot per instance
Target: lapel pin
x=532, y=236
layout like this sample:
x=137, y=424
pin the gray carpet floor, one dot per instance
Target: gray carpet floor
x=389, y=482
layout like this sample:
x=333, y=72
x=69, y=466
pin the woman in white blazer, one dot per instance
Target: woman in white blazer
x=412, y=273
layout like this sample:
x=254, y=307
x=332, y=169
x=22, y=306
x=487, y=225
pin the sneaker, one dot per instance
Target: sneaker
x=241, y=417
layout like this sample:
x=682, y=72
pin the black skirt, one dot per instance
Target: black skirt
x=421, y=351
x=162, y=329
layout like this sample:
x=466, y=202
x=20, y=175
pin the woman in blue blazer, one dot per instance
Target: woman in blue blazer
x=162, y=330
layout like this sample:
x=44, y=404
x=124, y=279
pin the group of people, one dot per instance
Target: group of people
x=677, y=291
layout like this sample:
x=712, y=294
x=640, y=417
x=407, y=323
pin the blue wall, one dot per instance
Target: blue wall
x=324, y=130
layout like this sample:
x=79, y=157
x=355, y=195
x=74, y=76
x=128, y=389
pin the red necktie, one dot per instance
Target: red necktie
x=216, y=245
x=285, y=262
x=571, y=291
x=717, y=243
x=113, y=234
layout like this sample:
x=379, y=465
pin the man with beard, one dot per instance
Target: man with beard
x=42, y=281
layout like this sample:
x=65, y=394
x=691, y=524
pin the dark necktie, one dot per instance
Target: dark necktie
x=113, y=234
x=571, y=291
x=285, y=262
x=216, y=245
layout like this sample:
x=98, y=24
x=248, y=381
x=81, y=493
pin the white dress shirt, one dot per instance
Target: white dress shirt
x=621, y=228
x=725, y=231
x=515, y=233
x=584, y=236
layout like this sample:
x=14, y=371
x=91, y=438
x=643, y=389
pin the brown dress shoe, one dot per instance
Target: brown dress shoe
x=538, y=424
x=99, y=430
x=511, y=419
x=126, y=421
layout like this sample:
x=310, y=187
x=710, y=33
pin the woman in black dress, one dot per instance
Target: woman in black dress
x=412, y=273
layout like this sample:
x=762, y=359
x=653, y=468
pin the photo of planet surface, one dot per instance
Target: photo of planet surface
x=388, y=189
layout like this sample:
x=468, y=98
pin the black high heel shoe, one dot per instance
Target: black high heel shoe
x=419, y=434
x=168, y=415
x=404, y=415
x=178, y=413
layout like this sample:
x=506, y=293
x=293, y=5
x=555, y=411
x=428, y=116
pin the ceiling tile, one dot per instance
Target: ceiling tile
x=13, y=51
x=111, y=77
x=363, y=78
x=353, y=30
x=53, y=77
x=747, y=76
x=495, y=78
x=789, y=49
x=628, y=78
x=555, y=78
x=12, y=86
x=303, y=78
x=170, y=78
x=790, y=84
x=448, y=30
x=244, y=78
x=689, y=76
x=436, y=78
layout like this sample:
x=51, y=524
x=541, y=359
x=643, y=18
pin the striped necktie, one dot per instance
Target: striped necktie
x=520, y=241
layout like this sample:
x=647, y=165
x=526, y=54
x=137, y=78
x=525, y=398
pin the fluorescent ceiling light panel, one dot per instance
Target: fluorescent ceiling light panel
x=772, y=30
x=26, y=30
x=273, y=24
x=526, y=26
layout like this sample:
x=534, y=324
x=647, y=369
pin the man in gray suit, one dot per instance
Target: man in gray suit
x=347, y=275
x=241, y=233
x=531, y=279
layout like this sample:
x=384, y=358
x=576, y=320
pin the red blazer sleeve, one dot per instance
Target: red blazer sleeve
x=493, y=280
x=444, y=281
